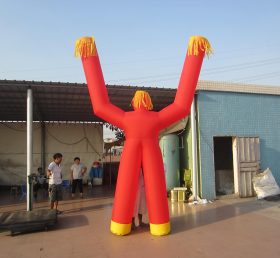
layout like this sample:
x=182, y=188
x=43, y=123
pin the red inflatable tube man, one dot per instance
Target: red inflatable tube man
x=142, y=128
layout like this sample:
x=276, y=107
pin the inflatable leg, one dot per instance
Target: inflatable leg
x=155, y=189
x=127, y=185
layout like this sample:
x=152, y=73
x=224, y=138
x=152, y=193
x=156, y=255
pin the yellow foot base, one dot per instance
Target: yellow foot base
x=120, y=229
x=160, y=229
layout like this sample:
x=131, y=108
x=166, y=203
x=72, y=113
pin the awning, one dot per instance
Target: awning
x=57, y=101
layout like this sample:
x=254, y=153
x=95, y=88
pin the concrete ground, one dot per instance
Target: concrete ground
x=225, y=228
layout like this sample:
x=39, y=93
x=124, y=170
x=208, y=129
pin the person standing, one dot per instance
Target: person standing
x=96, y=173
x=39, y=181
x=77, y=172
x=140, y=213
x=55, y=181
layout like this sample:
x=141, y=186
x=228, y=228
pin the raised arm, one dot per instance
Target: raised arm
x=102, y=107
x=180, y=108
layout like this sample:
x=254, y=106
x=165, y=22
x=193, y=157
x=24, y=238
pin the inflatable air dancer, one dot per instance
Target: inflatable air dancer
x=142, y=127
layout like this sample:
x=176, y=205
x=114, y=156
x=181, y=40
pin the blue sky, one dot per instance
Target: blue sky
x=141, y=43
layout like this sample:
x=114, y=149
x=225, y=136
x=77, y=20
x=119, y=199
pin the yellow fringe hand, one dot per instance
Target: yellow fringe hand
x=85, y=47
x=197, y=44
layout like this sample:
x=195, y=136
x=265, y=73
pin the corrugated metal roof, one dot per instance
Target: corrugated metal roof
x=237, y=87
x=57, y=101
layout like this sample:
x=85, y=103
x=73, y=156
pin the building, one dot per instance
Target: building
x=238, y=134
x=237, y=128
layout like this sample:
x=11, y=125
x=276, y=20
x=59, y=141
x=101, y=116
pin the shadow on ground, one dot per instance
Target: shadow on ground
x=72, y=221
x=198, y=217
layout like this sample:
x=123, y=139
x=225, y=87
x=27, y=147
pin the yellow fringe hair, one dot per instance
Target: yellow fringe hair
x=142, y=99
x=85, y=47
x=197, y=44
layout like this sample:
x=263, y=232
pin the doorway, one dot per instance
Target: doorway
x=223, y=162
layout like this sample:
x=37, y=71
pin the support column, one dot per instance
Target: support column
x=194, y=152
x=43, y=144
x=29, y=124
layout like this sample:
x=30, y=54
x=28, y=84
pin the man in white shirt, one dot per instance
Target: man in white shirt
x=77, y=172
x=55, y=181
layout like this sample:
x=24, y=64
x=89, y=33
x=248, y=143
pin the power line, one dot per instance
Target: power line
x=231, y=51
x=215, y=70
x=258, y=77
x=208, y=72
x=242, y=66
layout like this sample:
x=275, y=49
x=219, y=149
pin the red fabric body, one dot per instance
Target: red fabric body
x=141, y=148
